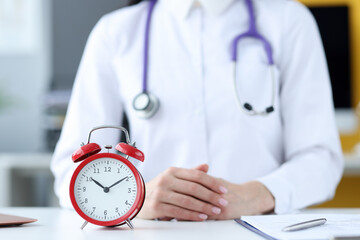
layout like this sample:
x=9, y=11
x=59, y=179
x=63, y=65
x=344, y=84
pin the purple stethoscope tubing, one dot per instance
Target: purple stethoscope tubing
x=146, y=104
x=146, y=44
x=252, y=32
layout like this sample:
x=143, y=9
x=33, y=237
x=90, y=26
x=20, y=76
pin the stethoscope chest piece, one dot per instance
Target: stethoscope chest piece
x=145, y=105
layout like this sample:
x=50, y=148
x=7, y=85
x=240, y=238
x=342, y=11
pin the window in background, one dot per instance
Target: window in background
x=19, y=25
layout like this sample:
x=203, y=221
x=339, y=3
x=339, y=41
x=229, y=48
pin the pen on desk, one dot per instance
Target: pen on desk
x=305, y=225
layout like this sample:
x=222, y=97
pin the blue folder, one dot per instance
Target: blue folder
x=254, y=229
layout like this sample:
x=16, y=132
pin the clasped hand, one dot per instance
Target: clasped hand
x=194, y=195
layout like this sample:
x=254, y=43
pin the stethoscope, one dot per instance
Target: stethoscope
x=146, y=104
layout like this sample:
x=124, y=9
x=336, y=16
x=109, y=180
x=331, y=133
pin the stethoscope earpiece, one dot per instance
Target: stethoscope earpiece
x=253, y=33
x=145, y=105
x=270, y=109
x=247, y=106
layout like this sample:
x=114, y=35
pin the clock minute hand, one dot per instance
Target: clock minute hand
x=97, y=183
x=118, y=182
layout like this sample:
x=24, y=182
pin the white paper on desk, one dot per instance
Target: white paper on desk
x=336, y=225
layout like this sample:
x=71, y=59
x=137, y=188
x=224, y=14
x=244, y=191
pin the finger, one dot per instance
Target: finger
x=198, y=191
x=182, y=213
x=199, y=177
x=203, y=167
x=191, y=203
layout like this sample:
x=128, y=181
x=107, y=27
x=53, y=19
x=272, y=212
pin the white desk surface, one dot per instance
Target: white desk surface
x=59, y=224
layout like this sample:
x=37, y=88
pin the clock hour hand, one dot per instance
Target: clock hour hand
x=97, y=183
x=118, y=182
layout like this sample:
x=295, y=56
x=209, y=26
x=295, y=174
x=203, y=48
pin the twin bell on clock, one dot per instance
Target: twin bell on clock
x=106, y=189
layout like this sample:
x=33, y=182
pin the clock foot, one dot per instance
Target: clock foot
x=84, y=224
x=129, y=223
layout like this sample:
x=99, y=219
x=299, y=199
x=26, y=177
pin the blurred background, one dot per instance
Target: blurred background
x=41, y=43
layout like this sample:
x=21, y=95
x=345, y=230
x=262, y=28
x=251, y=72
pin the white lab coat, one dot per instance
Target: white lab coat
x=294, y=151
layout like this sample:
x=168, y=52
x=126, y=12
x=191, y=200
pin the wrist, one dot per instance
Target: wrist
x=265, y=199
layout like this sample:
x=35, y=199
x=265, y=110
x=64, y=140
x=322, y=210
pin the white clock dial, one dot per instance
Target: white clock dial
x=105, y=189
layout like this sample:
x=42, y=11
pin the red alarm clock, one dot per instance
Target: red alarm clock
x=106, y=189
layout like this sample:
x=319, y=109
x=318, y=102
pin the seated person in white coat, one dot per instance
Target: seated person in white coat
x=220, y=145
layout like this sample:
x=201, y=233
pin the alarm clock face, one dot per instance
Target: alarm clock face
x=107, y=190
